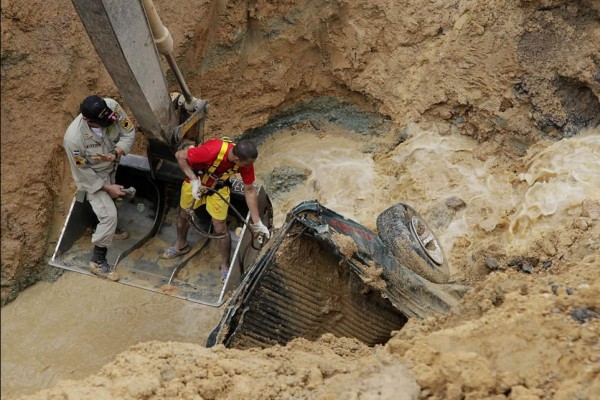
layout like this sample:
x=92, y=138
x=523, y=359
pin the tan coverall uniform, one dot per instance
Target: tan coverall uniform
x=81, y=144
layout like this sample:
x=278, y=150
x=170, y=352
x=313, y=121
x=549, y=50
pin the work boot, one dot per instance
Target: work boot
x=120, y=234
x=100, y=267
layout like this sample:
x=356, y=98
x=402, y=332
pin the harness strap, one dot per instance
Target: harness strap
x=225, y=175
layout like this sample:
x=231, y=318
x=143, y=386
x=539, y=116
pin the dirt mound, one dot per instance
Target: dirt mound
x=325, y=369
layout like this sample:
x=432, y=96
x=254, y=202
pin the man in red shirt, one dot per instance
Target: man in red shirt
x=205, y=167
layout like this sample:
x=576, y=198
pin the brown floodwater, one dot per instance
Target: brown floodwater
x=70, y=328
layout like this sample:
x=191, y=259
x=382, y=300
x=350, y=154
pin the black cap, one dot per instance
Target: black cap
x=95, y=108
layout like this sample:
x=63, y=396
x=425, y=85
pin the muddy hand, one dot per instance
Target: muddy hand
x=114, y=190
x=197, y=189
x=104, y=157
x=260, y=229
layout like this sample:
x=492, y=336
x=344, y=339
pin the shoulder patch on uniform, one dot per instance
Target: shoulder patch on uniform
x=124, y=122
x=79, y=161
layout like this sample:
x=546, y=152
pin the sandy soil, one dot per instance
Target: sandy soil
x=518, y=77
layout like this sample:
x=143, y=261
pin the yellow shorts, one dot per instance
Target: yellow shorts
x=216, y=207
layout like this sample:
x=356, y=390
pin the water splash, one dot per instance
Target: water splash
x=559, y=179
x=339, y=174
x=509, y=203
x=431, y=168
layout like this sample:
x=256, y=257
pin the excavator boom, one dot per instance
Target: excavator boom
x=121, y=35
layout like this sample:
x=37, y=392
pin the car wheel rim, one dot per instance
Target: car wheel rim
x=427, y=240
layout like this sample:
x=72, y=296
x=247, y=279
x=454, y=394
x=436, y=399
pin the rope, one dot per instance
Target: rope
x=193, y=222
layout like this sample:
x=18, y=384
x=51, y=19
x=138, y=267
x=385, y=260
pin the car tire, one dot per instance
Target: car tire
x=413, y=244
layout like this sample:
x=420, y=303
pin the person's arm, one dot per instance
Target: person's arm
x=127, y=137
x=252, y=202
x=257, y=225
x=84, y=176
x=182, y=159
x=113, y=190
x=125, y=142
x=119, y=152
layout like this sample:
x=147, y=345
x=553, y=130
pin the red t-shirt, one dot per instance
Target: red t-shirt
x=202, y=157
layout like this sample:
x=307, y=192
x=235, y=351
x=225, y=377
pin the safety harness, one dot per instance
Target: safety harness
x=219, y=181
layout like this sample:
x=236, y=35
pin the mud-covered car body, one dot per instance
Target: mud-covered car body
x=323, y=273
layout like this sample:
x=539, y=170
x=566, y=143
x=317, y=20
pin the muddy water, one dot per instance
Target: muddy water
x=339, y=173
x=508, y=202
x=70, y=328
x=61, y=331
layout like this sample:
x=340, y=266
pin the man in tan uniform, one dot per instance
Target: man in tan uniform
x=94, y=142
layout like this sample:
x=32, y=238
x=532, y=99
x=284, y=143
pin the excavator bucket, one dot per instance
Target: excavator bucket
x=150, y=218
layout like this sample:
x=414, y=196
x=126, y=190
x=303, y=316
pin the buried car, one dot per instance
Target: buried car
x=323, y=273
